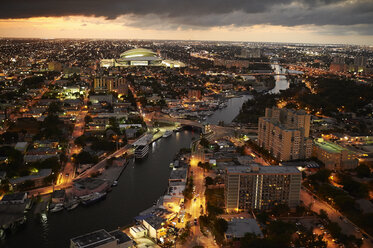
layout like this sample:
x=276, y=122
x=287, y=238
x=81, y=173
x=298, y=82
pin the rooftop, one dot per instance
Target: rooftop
x=138, y=52
x=88, y=183
x=258, y=169
x=178, y=174
x=93, y=239
x=155, y=221
x=58, y=193
x=14, y=197
x=139, y=228
x=329, y=146
x=120, y=236
x=41, y=174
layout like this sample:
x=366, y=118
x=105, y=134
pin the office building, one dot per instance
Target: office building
x=285, y=133
x=108, y=84
x=261, y=187
x=335, y=157
x=360, y=61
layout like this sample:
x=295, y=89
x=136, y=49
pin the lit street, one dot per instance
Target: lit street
x=347, y=227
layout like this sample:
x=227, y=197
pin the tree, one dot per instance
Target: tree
x=85, y=158
x=88, y=119
x=213, y=210
x=204, y=142
x=281, y=232
x=323, y=214
x=80, y=141
x=262, y=217
x=280, y=209
x=320, y=176
x=209, y=181
x=251, y=240
x=205, y=166
x=188, y=191
x=344, y=202
x=334, y=229
x=54, y=108
x=221, y=225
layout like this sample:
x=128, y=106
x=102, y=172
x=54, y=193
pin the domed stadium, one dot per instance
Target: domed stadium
x=139, y=57
x=138, y=52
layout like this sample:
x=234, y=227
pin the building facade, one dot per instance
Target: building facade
x=261, y=187
x=335, y=157
x=285, y=133
x=108, y=84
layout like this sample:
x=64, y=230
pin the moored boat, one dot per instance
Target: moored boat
x=167, y=134
x=95, y=197
x=58, y=207
x=141, y=151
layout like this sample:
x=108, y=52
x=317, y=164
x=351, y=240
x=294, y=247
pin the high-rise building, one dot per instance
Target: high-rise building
x=107, y=84
x=338, y=60
x=360, y=61
x=285, y=133
x=261, y=187
x=250, y=53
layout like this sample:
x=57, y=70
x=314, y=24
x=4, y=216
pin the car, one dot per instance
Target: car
x=67, y=174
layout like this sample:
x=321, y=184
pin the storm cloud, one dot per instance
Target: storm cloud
x=204, y=13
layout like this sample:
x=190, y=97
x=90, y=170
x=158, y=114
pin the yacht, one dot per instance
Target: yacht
x=141, y=151
x=167, y=134
x=58, y=207
x=93, y=198
x=70, y=205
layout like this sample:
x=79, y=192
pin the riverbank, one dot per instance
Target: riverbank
x=140, y=184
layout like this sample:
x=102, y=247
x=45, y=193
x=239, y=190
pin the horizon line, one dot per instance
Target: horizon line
x=190, y=40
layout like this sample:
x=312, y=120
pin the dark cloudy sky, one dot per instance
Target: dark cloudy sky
x=324, y=21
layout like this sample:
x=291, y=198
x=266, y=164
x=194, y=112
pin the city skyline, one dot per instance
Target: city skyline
x=186, y=124
x=322, y=22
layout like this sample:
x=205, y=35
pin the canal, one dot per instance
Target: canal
x=139, y=186
x=281, y=81
x=230, y=112
x=141, y=183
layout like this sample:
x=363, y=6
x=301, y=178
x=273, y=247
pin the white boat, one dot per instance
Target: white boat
x=167, y=134
x=73, y=206
x=70, y=205
x=95, y=197
x=141, y=151
x=58, y=207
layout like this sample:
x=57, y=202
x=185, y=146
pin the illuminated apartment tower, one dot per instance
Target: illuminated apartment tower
x=285, y=133
x=108, y=84
x=261, y=187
